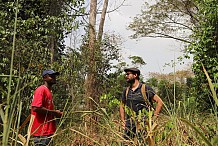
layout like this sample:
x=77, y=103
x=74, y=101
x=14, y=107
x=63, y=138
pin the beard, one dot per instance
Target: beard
x=51, y=82
x=131, y=81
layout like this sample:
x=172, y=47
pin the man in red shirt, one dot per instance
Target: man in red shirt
x=43, y=110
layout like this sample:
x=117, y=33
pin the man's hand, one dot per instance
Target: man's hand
x=58, y=113
x=122, y=115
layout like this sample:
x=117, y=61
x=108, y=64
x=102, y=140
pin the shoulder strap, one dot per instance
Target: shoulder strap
x=127, y=90
x=143, y=91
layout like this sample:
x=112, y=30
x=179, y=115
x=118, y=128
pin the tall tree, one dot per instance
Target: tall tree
x=91, y=75
x=94, y=44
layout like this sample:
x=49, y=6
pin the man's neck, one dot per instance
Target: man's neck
x=135, y=85
x=47, y=85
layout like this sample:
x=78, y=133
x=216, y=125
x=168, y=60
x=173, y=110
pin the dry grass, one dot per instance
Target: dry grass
x=171, y=131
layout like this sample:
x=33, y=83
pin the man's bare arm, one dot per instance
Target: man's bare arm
x=159, y=105
x=122, y=114
x=43, y=110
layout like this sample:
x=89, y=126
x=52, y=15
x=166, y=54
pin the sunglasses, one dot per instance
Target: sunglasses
x=128, y=74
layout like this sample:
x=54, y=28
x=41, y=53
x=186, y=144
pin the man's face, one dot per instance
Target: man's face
x=50, y=79
x=130, y=77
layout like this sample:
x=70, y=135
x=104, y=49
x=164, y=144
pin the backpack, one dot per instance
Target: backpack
x=143, y=91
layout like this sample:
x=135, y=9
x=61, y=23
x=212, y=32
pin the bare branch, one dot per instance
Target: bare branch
x=101, y=25
x=171, y=37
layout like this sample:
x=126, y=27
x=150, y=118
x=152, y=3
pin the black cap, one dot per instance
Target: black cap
x=134, y=70
x=49, y=72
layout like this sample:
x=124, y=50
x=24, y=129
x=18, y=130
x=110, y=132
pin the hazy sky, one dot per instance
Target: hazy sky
x=154, y=51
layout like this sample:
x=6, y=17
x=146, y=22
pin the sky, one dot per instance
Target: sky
x=156, y=52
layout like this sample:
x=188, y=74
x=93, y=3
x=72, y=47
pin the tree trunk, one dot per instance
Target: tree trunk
x=51, y=47
x=90, y=80
x=55, y=7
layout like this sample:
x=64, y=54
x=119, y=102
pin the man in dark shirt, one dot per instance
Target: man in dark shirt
x=135, y=101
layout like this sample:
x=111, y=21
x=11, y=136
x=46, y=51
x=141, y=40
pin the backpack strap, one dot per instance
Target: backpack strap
x=143, y=91
x=127, y=90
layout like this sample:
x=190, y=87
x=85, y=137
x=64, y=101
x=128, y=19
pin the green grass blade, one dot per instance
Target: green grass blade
x=2, y=113
x=6, y=124
x=211, y=86
x=197, y=130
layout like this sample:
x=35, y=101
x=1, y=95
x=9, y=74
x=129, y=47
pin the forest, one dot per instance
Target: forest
x=91, y=82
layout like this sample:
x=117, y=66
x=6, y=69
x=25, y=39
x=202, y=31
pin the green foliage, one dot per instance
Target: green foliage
x=41, y=26
x=152, y=82
x=37, y=41
x=165, y=89
x=204, y=48
x=113, y=88
x=106, y=73
x=165, y=18
x=137, y=60
x=70, y=84
x=41, y=29
x=111, y=102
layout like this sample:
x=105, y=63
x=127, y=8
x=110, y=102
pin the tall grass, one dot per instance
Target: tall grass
x=178, y=125
x=212, y=88
x=10, y=108
x=173, y=130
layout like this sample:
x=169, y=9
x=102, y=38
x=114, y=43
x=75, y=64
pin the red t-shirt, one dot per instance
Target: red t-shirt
x=43, y=124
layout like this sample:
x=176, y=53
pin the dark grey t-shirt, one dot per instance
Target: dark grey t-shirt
x=135, y=99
